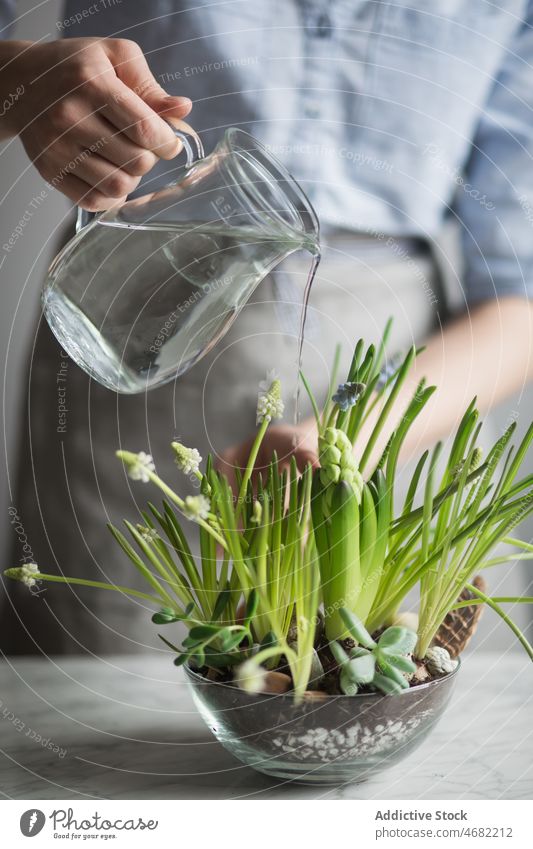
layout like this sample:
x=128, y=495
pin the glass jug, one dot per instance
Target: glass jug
x=144, y=290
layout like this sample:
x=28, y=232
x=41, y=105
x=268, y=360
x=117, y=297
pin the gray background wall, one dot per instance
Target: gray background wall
x=21, y=275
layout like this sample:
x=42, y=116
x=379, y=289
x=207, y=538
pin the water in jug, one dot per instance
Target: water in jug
x=146, y=289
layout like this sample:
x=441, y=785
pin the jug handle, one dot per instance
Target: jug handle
x=194, y=151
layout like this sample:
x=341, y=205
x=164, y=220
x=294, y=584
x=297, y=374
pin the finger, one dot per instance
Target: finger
x=111, y=144
x=84, y=195
x=129, y=114
x=105, y=177
x=305, y=457
x=126, y=109
x=133, y=70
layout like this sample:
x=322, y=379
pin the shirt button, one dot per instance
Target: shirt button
x=323, y=26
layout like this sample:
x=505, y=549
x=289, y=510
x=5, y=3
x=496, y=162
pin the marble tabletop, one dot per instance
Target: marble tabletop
x=126, y=728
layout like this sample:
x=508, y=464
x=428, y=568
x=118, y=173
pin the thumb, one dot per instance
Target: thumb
x=132, y=69
x=304, y=456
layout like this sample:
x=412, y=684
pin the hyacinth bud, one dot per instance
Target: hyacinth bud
x=329, y=436
x=330, y=474
x=337, y=460
x=331, y=456
x=28, y=574
x=257, y=512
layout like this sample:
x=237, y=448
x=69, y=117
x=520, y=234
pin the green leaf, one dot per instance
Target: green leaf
x=413, y=486
x=338, y=653
x=231, y=639
x=401, y=640
x=181, y=659
x=198, y=658
x=386, y=685
x=222, y=602
x=190, y=643
x=203, y=632
x=343, y=584
x=169, y=644
x=361, y=669
x=398, y=661
x=358, y=651
x=392, y=673
x=166, y=615
x=356, y=628
x=221, y=660
x=252, y=604
x=311, y=397
x=269, y=641
x=320, y=532
x=389, y=403
x=162, y=618
x=368, y=526
x=348, y=687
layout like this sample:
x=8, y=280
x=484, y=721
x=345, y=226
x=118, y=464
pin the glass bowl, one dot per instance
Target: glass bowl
x=324, y=739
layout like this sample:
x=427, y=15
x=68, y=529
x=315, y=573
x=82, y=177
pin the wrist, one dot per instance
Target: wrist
x=307, y=427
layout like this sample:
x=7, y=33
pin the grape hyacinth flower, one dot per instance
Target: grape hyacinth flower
x=269, y=402
x=27, y=574
x=347, y=395
x=196, y=507
x=388, y=371
x=138, y=465
x=187, y=459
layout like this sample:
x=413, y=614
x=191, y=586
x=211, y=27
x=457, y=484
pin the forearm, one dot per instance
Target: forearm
x=12, y=84
x=485, y=353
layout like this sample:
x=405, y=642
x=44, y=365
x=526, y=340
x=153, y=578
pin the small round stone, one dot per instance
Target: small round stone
x=439, y=662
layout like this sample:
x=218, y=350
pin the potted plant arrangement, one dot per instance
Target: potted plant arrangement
x=299, y=653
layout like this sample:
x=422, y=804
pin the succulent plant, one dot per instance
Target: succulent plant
x=385, y=665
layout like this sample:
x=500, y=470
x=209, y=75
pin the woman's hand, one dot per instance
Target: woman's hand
x=88, y=112
x=285, y=440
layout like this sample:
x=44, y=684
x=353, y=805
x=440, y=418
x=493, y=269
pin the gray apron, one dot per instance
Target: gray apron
x=70, y=483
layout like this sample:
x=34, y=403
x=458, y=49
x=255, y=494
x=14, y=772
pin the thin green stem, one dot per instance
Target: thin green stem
x=507, y=619
x=251, y=464
x=101, y=585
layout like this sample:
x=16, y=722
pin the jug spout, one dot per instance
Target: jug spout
x=273, y=198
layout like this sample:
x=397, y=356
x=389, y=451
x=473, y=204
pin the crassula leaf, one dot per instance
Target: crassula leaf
x=347, y=685
x=386, y=685
x=399, y=662
x=361, y=669
x=338, y=653
x=356, y=628
x=394, y=674
x=401, y=640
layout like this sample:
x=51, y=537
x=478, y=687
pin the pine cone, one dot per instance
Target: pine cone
x=459, y=626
